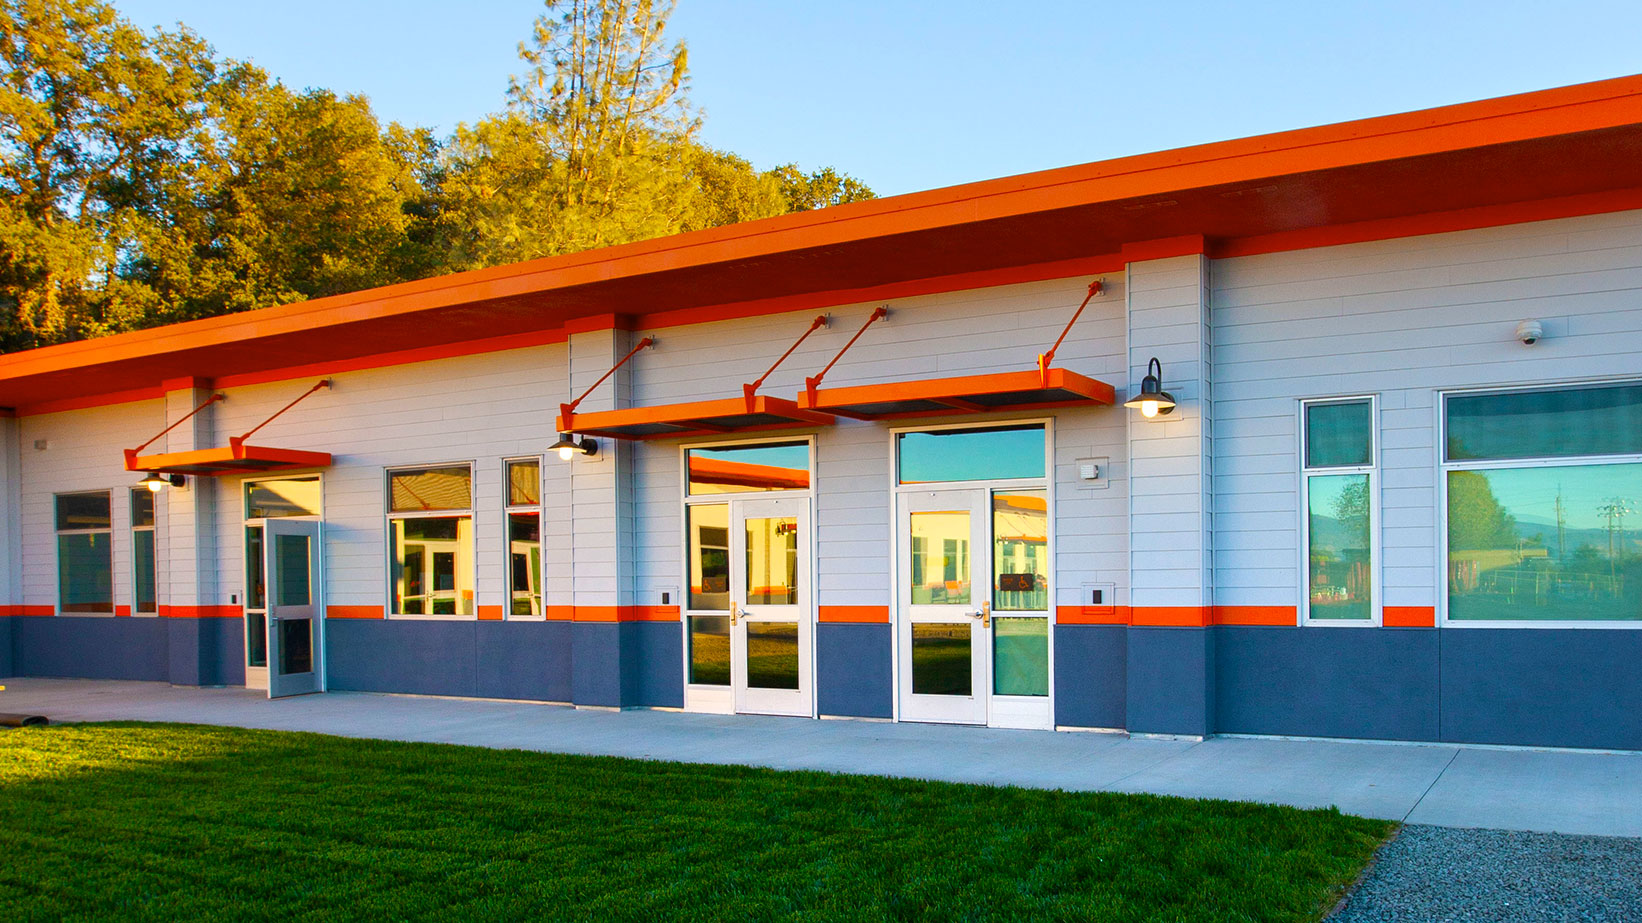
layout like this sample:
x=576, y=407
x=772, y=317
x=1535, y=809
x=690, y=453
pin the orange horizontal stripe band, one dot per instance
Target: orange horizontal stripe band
x=35, y=611
x=647, y=613
x=1270, y=616
x=1092, y=615
x=1409, y=617
x=200, y=612
x=490, y=613
x=861, y=615
x=1171, y=616
x=354, y=612
x=122, y=612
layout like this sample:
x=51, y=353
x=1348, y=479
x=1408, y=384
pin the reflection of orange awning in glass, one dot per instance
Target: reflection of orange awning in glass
x=746, y=474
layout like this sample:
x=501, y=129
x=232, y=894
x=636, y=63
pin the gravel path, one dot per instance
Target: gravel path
x=1449, y=875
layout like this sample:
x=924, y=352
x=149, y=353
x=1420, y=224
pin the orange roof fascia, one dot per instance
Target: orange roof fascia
x=943, y=390
x=1521, y=117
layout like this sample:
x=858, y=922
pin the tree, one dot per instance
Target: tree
x=822, y=188
x=1477, y=521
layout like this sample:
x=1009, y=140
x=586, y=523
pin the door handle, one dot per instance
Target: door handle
x=984, y=613
x=735, y=613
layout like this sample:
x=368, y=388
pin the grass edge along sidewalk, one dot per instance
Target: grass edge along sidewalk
x=187, y=822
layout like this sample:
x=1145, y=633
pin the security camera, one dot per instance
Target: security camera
x=1529, y=332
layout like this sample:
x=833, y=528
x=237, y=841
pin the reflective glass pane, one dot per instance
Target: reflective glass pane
x=281, y=498
x=426, y=489
x=254, y=593
x=710, y=650
x=296, y=646
x=709, y=528
x=142, y=571
x=940, y=559
x=1020, y=656
x=291, y=557
x=1340, y=576
x=1545, y=424
x=524, y=532
x=524, y=482
x=85, y=573
x=772, y=561
x=1549, y=544
x=142, y=508
x=432, y=563
x=941, y=659
x=772, y=655
x=82, y=511
x=256, y=640
x=1020, y=550
x=1339, y=435
x=983, y=454
x=742, y=468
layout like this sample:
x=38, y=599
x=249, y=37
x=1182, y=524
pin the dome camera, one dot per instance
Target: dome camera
x=1529, y=332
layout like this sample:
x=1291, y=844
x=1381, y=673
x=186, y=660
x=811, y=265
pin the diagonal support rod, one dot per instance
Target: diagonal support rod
x=236, y=441
x=566, y=411
x=216, y=396
x=1045, y=359
x=749, y=390
x=814, y=382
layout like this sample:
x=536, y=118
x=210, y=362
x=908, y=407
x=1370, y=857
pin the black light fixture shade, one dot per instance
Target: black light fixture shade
x=1152, y=400
x=569, y=447
x=156, y=482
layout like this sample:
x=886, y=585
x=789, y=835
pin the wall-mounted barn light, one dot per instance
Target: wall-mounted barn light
x=156, y=482
x=1152, y=399
x=568, y=447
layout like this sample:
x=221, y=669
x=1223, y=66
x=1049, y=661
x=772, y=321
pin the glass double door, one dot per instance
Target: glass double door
x=283, y=628
x=973, y=621
x=750, y=628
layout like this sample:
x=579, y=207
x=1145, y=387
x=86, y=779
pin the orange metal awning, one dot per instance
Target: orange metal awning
x=967, y=394
x=234, y=458
x=697, y=418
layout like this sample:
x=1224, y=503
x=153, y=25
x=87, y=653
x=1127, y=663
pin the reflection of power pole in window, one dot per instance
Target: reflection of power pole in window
x=1615, y=509
x=1561, y=523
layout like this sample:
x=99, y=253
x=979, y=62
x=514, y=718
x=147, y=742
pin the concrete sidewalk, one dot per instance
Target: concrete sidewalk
x=1587, y=793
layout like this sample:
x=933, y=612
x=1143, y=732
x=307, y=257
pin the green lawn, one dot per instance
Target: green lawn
x=172, y=822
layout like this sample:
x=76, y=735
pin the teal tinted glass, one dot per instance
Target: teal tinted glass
x=1340, y=570
x=142, y=571
x=1020, y=656
x=85, y=573
x=1546, y=424
x=991, y=453
x=1545, y=543
x=1339, y=434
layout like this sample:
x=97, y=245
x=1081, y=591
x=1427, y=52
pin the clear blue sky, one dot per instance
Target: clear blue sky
x=914, y=95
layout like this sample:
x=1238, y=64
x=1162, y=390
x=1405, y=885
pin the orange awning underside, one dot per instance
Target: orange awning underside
x=696, y=418
x=241, y=459
x=1573, y=150
x=968, y=394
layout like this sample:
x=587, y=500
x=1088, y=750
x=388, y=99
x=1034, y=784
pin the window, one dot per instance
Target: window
x=1340, y=495
x=85, y=563
x=282, y=497
x=1543, y=495
x=990, y=453
x=143, y=598
x=524, y=536
x=748, y=468
x=1020, y=583
x=430, y=524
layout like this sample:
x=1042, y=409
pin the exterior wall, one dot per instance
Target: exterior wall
x=1403, y=319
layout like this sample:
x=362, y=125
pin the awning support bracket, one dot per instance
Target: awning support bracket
x=131, y=454
x=749, y=391
x=234, y=442
x=814, y=382
x=1045, y=359
x=567, y=411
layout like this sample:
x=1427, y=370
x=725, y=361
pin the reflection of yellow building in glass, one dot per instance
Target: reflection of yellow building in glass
x=1020, y=550
x=940, y=558
x=433, y=565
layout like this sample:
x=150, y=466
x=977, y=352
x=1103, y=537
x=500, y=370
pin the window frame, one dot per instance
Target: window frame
x=807, y=495
x=389, y=516
x=153, y=530
x=1306, y=471
x=57, y=553
x=1444, y=466
x=508, y=509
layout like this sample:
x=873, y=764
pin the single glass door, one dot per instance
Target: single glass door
x=291, y=572
x=770, y=624
x=945, y=606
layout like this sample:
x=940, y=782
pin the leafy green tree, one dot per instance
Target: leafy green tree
x=1477, y=521
x=819, y=189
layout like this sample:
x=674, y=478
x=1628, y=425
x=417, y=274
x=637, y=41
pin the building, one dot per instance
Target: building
x=1398, y=494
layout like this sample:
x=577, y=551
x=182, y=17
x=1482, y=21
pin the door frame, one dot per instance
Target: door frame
x=320, y=658
x=721, y=699
x=896, y=540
